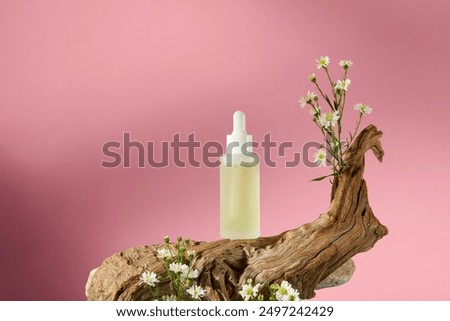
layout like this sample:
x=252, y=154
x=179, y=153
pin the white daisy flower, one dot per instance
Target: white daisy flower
x=307, y=99
x=346, y=64
x=322, y=62
x=196, y=292
x=193, y=274
x=249, y=291
x=165, y=253
x=312, y=77
x=329, y=119
x=293, y=295
x=320, y=158
x=363, y=109
x=178, y=267
x=186, y=274
x=184, y=269
x=191, y=253
x=311, y=95
x=302, y=101
x=149, y=278
x=342, y=84
x=283, y=290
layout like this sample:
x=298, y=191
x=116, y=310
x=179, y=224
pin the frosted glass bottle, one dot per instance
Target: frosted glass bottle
x=239, y=187
x=239, y=200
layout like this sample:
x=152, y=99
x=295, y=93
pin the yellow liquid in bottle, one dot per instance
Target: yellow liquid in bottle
x=239, y=201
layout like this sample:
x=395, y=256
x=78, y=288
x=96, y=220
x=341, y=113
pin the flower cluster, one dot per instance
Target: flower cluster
x=330, y=121
x=278, y=292
x=284, y=292
x=178, y=263
x=250, y=291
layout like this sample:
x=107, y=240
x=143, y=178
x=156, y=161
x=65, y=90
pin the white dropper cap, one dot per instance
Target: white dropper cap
x=239, y=134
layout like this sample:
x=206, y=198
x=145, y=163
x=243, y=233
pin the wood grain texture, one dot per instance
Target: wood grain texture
x=304, y=256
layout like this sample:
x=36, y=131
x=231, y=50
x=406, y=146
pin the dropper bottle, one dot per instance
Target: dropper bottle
x=239, y=185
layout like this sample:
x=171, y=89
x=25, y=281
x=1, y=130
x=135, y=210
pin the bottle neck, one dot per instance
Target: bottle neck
x=250, y=160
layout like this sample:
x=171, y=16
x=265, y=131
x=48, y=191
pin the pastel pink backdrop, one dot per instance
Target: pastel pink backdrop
x=75, y=74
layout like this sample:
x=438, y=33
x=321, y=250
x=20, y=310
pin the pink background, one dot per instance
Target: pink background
x=75, y=74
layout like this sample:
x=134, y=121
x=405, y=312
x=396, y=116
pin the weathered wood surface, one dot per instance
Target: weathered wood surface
x=306, y=256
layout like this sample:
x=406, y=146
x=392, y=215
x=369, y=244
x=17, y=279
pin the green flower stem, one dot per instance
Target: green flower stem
x=338, y=155
x=357, y=126
x=339, y=142
x=328, y=76
x=331, y=82
x=335, y=170
x=324, y=96
x=332, y=151
x=343, y=102
x=179, y=287
x=178, y=250
x=320, y=127
x=154, y=292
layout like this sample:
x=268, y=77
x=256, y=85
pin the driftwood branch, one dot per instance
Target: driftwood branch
x=307, y=256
